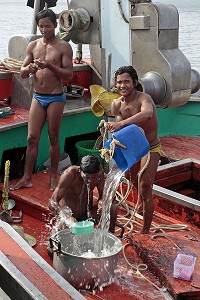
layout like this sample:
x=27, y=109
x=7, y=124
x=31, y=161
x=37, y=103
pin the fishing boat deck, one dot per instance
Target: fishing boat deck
x=178, y=147
x=20, y=116
x=157, y=251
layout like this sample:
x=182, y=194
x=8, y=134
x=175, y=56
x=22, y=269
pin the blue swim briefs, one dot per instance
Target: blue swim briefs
x=46, y=99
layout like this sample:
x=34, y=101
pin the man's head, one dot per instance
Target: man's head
x=46, y=13
x=126, y=79
x=89, y=168
x=90, y=164
x=46, y=21
x=129, y=70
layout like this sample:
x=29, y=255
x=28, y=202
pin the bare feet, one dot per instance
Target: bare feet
x=23, y=183
x=53, y=182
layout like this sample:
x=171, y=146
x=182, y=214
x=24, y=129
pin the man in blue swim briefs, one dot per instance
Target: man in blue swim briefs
x=136, y=107
x=49, y=60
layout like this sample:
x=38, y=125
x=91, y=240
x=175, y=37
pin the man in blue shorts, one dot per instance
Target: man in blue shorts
x=49, y=60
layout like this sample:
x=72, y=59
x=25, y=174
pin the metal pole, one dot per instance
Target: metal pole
x=36, y=10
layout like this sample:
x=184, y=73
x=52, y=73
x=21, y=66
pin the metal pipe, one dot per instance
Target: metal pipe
x=79, y=53
x=109, y=71
x=154, y=85
x=36, y=10
x=195, y=81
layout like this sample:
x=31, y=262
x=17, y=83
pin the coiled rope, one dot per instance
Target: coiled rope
x=130, y=222
x=10, y=64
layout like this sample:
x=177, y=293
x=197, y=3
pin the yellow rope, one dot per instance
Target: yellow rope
x=5, y=187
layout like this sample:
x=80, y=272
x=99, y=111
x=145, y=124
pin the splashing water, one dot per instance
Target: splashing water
x=63, y=220
x=96, y=252
x=98, y=242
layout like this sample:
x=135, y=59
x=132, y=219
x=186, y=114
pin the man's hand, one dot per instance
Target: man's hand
x=41, y=64
x=114, y=126
x=55, y=207
x=32, y=68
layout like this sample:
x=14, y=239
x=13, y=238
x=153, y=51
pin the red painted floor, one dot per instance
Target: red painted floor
x=20, y=114
x=36, y=221
x=181, y=147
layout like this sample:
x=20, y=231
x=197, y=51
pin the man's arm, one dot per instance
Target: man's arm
x=58, y=194
x=28, y=66
x=115, y=108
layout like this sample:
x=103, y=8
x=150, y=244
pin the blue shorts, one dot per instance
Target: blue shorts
x=46, y=99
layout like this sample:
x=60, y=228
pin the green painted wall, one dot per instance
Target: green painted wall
x=72, y=125
x=181, y=120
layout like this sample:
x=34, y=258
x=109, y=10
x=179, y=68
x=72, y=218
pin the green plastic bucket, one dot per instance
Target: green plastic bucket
x=86, y=148
x=83, y=227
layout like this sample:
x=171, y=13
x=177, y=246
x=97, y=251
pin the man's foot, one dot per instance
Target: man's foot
x=53, y=182
x=23, y=183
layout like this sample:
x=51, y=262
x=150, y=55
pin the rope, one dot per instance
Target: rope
x=105, y=153
x=140, y=268
x=128, y=223
x=10, y=64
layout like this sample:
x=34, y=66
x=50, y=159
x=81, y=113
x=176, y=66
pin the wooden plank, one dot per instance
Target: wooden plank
x=172, y=169
x=174, y=179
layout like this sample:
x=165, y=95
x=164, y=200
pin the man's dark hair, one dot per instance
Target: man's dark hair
x=46, y=13
x=90, y=164
x=132, y=73
x=129, y=70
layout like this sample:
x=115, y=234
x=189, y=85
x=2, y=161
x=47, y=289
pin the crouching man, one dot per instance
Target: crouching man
x=76, y=191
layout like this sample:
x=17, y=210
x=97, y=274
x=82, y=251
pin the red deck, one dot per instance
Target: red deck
x=158, y=252
x=181, y=147
x=20, y=115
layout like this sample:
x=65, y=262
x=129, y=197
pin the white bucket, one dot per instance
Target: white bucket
x=64, y=163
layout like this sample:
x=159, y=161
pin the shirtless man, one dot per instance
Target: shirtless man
x=73, y=187
x=49, y=60
x=135, y=107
